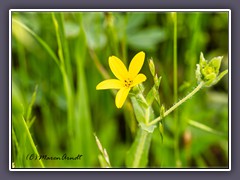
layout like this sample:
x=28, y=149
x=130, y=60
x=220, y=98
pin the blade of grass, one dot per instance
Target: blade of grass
x=82, y=112
x=98, y=64
x=26, y=135
x=29, y=109
x=22, y=59
x=205, y=128
x=111, y=32
x=64, y=43
x=66, y=78
x=103, y=157
x=195, y=44
x=39, y=40
x=31, y=141
x=175, y=89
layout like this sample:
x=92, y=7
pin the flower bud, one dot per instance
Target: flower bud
x=208, y=72
x=151, y=67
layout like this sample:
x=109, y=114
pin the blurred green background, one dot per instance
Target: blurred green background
x=59, y=58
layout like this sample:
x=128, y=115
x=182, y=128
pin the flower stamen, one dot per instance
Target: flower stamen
x=127, y=83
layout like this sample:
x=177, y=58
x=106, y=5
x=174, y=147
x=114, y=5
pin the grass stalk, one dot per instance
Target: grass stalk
x=205, y=128
x=124, y=40
x=175, y=89
x=66, y=79
x=83, y=120
x=112, y=36
x=15, y=141
x=39, y=40
x=32, y=142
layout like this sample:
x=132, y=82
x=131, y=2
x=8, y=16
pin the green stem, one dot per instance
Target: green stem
x=112, y=36
x=70, y=101
x=66, y=80
x=137, y=156
x=177, y=104
x=205, y=128
x=175, y=89
x=32, y=142
x=39, y=40
x=140, y=149
x=124, y=39
x=175, y=79
x=14, y=137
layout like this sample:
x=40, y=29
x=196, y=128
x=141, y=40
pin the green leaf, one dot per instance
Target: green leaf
x=146, y=39
x=136, y=19
x=24, y=138
x=63, y=51
x=137, y=156
x=94, y=28
x=160, y=124
x=39, y=40
x=72, y=29
x=198, y=73
x=216, y=63
x=156, y=96
x=221, y=76
x=161, y=130
x=29, y=109
x=138, y=110
x=149, y=129
x=157, y=81
x=150, y=96
x=204, y=128
x=153, y=93
x=17, y=101
x=82, y=124
x=202, y=62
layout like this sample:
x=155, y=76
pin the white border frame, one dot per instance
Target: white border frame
x=119, y=10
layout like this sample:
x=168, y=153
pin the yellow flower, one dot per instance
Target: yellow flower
x=126, y=78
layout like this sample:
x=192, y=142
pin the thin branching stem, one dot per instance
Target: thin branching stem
x=177, y=104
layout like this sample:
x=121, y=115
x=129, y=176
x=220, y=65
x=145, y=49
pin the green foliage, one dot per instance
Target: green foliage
x=146, y=39
x=137, y=156
x=65, y=55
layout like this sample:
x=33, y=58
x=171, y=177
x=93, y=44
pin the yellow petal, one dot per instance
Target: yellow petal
x=118, y=68
x=121, y=97
x=136, y=64
x=110, y=84
x=138, y=79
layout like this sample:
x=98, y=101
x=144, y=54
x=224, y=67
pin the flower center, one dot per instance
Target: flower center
x=210, y=70
x=127, y=82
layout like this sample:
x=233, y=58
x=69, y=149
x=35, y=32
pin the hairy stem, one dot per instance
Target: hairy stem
x=177, y=104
